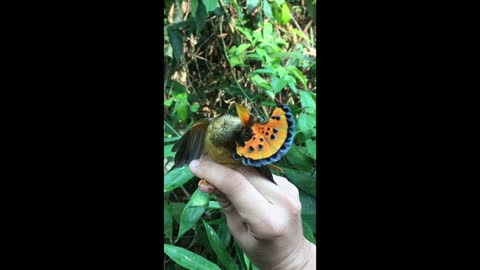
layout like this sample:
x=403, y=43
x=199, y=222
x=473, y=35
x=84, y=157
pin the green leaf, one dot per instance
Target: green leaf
x=210, y=5
x=176, y=209
x=267, y=10
x=308, y=233
x=224, y=233
x=308, y=102
x=270, y=94
x=247, y=261
x=246, y=32
x=302, y=180
x=181, y=107
x=296, y=156
x=176, y=40
x=291, y=83
x=252, y=4
x=188, y=259
x=195, y=107
x=191, y=214
x=301, y=34
x=286, y=15
x=297, y=73
x=242, y=48
x=200, y=17
x=214, y=205
x=219, y=248
x=267, y=30
x=311, y=148
x=278, y=84
x=167, y=103
x=264, y=71
x=167, y=221
x=235, y=61
x=167, y=150
x=261, y=82
x=194, y=6
x=306, y=124
x=176, y=177
x=309, y=210
x=239, y=255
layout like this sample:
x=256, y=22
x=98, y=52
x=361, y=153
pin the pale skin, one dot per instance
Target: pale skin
x=264, y=218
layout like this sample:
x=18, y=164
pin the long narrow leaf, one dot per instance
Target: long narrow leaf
x=188, y=259
x=176, y=177
x=219, y=248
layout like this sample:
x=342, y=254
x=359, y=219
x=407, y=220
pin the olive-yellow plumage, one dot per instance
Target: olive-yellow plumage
x=233, y=141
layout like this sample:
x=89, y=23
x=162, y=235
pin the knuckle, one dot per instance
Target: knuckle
x=273, y=227
x=293, y=205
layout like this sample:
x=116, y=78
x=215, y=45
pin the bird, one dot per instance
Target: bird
x=233, y=141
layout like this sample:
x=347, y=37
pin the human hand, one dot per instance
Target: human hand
x=264, y=218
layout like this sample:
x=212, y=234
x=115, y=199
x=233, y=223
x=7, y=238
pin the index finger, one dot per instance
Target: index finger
x=244, y=197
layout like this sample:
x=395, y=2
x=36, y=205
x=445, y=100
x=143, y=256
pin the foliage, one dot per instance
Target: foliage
x=255, y=52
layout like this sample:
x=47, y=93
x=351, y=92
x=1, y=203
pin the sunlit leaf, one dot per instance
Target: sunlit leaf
x=176, y=177
x=286, y=14
x=188, y=259
x=241, y=48
x=167, y=150
x=167, y=103
x=214, y=205
x=195, y=107
x=191, y=213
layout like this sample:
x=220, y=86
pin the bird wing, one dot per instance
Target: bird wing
x=192, y=144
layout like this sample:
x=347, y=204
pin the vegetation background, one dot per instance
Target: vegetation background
x=218, y=52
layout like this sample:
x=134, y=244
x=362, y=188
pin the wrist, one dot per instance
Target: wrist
x=304, y=258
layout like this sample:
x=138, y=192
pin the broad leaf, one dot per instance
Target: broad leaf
x=302, y=180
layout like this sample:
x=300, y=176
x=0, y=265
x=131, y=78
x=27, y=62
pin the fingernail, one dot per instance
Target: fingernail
x=194, y=163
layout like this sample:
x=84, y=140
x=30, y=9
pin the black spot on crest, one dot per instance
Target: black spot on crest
x=266, y=133
x=260, y=147
x=275, y=130
x=250, y=149
x=261, y=139
x=273, y=137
